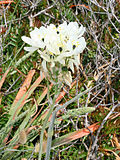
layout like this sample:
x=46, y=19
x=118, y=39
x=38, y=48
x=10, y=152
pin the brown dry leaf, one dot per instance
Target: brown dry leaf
x=37, y=23
x=74, y=135
x=16, y=146
x=118, y=1
x=67, y=138
x=114, y=116
x=105, y=65
x=115, y=141
x=109, y=150
x=96, y=76
x=3, y=78
x=30, y=129
x=25, y=86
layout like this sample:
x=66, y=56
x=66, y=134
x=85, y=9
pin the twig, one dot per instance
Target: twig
x=98, y=132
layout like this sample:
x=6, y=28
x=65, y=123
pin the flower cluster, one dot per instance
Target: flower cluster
x=57, y=45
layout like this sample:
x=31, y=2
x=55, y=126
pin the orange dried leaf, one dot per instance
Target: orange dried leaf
x=29, y=92
x=74, y=135
x=69, y=137
x=81, y=5
x=6, y=2
x=32, y=88
x=43, y=95
x=30, y=129
x=16, y=146
x=3, y=78
x=25, y=86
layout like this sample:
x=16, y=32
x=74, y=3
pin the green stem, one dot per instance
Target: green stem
x=46, y=120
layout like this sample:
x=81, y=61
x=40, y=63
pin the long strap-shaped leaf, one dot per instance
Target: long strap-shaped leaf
x=74, y=135
x=27, y=94
x=3, y=78
x=24, y=87
x=71, y=137
x=17, y=106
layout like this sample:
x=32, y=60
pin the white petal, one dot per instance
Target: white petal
x=63, y=25
x=68, y=54
x=35, y=34
x=69, y=45
x=82, y=45
x=30, y=49
x=81, y=30
x=63, y=55
x=73, y=29
x=71, y=66
x=73, y=25
x=58, y=58
x=51, y=27
x=45, y=57
x=27, y=40
x=76, y=61
x=62, y=28
x=62, y=61
x=40, y=44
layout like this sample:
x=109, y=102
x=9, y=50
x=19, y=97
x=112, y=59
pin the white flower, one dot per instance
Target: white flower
x=76, y=46
x=65, y=40
x=36, y=40
x=74, y=30
x=58, y=46
x=62, y=30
